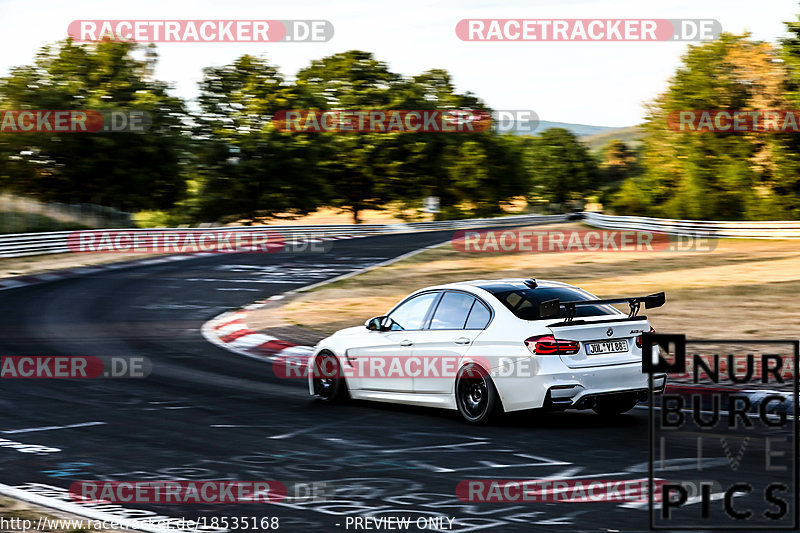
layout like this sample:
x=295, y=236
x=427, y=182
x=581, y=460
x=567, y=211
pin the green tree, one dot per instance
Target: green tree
x=714, y=175
x=127, y=170
x=618, y=162
x=246, y=168
x=352, y=161
x=423, y=160
x=785, y=199
x=561, y=168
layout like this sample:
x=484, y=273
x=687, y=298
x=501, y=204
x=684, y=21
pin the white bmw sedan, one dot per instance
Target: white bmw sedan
x=489, y=346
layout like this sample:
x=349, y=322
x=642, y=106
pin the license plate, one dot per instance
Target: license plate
x=597, y=348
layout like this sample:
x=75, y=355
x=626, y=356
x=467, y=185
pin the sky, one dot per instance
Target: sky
x=600, y=83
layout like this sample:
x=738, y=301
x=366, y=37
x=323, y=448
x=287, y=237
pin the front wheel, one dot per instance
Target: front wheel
x=329, y=385
x=476, y=396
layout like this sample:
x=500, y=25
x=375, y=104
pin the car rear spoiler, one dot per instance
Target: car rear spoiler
x=551, y=308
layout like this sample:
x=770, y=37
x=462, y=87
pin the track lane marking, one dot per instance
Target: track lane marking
x=51, y=428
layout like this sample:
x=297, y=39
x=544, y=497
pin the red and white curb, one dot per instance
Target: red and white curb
x=229, y=331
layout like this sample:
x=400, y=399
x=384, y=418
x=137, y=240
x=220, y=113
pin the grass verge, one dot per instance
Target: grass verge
x=16, y=512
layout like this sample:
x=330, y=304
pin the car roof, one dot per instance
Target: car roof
x=499, y=284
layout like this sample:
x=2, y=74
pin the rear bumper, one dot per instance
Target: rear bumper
x=565, y=388
x=578, y=397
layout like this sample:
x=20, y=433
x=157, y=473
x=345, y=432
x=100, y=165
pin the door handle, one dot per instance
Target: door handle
x=406, y=343
x=462, y=340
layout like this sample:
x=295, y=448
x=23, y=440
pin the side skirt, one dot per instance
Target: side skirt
x=442, y=401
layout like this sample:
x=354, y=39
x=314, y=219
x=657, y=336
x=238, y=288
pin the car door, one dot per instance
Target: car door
x=455, y=323
x=372, y=361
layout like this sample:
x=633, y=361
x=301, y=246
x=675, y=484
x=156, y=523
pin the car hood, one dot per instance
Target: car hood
x=349, y=332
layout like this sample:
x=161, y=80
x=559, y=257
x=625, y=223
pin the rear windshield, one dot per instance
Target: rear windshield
x=524, y=302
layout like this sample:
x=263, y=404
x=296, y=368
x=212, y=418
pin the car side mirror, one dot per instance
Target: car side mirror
x=375, y=323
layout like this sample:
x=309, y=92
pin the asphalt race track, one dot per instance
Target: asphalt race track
x=205, y=413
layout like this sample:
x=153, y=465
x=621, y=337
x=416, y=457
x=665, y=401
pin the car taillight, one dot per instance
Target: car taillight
x=549, y=345
x=639, y=338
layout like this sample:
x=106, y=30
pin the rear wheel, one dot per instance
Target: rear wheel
x=476, y=396
x=329, y=385
x=614, y=405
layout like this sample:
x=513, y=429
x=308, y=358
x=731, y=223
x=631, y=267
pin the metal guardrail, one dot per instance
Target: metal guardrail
x=765, y=229
x=25, y=244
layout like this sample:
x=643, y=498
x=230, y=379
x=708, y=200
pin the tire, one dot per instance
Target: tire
x=614, y=405
x=476, y=395
x=329, y=385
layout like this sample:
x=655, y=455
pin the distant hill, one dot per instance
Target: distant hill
x=581, y=130
x=595, y=136
x=632, y=136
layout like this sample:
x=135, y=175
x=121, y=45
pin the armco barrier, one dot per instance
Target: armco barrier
x=764, y=229
x=24, y=244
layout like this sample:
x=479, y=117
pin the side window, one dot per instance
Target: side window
x=452, y=311
x=479, y=316
x=412, y=313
